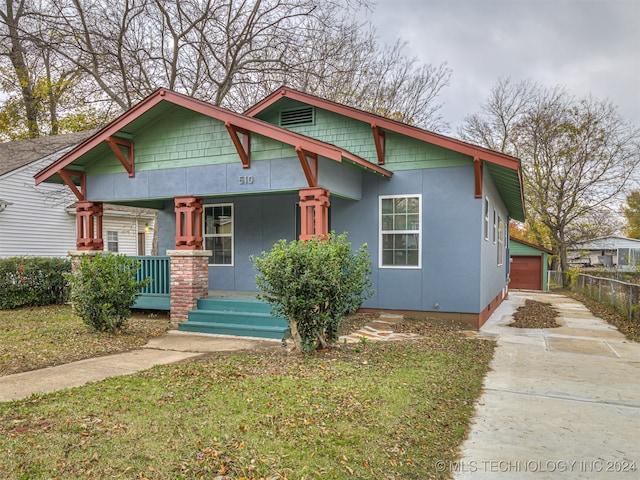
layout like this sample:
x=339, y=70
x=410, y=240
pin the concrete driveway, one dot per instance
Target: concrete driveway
x=558, y=403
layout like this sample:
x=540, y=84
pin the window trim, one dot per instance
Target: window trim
x=212, y=235
x=381, y=232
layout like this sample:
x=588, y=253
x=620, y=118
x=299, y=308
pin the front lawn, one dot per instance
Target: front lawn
x=38, y=337
x=374, y=410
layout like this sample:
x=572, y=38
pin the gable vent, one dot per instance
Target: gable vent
x=297, y=117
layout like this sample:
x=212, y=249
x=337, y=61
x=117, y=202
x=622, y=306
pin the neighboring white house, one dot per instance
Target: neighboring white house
x=610, y=251
x=41, y=221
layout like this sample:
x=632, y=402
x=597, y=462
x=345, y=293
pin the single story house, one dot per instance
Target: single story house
x=610, y=251
x=432, y=210
x=529, y=265
x=37, y=220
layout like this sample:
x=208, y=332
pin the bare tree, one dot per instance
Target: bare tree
x=346, y=64
x=578, y=155
x=229, y=53
x=46, y=94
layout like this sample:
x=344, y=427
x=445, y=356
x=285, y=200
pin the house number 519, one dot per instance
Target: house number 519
x=245, y=179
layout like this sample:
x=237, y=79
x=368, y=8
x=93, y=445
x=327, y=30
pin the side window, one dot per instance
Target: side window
x=112, y=241
x=218, y=233
x=500, y=240
x=486, y=218
x=400, y=231
x=495, y=225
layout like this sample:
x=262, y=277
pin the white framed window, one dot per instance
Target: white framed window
x=486, y=218
x=500, y=241
x=112, y=241
x=218, y=233
x=495, y=225
x=629, y=257
x=400, y=231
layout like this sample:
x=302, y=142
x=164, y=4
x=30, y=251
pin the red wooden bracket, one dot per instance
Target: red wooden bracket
x=127, y=162
x=243, y=147
x=379, y=140
x=80, y=193
x=477, y=169
x=309, y=162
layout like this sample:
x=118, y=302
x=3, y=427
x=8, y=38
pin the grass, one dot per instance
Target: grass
x=372, y=410
x=39, y=337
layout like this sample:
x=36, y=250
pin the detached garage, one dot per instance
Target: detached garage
x=528, y=265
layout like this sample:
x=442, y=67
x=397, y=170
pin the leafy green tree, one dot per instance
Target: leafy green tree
x=631, y=213
x=103, y=290
x=314, y=284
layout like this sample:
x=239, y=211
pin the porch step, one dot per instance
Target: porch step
x=247, y=318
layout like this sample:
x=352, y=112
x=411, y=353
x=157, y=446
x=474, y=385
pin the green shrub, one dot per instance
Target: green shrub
x=314, y=284
x=103, y=290
x=32, y=281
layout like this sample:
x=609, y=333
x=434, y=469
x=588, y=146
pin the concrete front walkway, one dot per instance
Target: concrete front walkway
x=558, y=403
x=172, y=347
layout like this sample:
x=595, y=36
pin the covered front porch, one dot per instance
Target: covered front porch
x=183, y=281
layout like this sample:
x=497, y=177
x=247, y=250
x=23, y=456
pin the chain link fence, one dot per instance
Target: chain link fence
x=623, y=296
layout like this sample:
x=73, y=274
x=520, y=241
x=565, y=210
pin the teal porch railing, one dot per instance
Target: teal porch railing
x=156, y=295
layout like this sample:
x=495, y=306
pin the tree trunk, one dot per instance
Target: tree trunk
x=564, y=265
x=322, y=341
x=295, y=334
x=17, y=56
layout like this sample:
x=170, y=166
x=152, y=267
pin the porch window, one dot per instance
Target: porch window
x=400, y=231
x=112, y=241
x=218, y=233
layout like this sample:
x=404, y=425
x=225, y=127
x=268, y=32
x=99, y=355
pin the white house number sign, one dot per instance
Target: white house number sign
x=245, y=179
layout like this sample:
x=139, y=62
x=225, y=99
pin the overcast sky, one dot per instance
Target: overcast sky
x=588, y=46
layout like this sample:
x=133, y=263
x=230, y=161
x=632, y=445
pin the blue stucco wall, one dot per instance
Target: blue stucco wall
x=265, y=175
x=493, y=275
x=451, y=218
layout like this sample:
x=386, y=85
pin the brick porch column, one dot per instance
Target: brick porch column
x=189, y=273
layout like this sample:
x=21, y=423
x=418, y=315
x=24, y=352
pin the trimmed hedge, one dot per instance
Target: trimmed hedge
x=33, y=281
